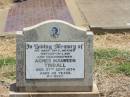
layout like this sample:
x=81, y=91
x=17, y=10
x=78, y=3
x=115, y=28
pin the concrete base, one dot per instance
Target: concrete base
x=106, y=14
x=94, y=93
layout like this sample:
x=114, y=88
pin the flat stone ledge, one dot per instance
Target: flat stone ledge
x=112, y=14
x=94, y=93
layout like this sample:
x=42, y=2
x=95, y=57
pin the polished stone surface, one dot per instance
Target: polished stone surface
x=31, y=12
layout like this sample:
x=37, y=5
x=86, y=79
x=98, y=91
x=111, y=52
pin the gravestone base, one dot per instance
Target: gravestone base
x=94, y=93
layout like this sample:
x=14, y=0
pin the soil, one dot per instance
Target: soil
x=4, y=89
x=112, y=85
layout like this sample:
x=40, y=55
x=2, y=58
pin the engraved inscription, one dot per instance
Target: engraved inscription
x=54, y=60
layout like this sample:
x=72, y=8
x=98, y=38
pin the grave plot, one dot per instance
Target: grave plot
x=32, y=12
x=54, y=59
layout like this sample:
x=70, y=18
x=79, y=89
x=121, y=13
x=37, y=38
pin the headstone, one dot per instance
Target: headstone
x=54, y=57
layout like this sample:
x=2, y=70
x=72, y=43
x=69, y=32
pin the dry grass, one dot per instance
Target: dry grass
x=117, y=41
x=7, y=73
x=7, y=47
x=5, y=3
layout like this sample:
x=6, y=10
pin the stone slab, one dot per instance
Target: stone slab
x=31, y=12
x=94, y=93
x=78, y=17
x=106, y=14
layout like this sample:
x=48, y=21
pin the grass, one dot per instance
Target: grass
x=110, y=54
x=7, y=69
x=113, y=61
x=124, y=68
x=7, y=61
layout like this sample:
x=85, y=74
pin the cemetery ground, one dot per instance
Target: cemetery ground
x=112, y=64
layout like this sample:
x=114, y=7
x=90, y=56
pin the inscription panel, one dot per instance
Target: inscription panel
x=54, y=60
